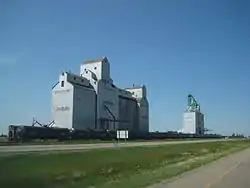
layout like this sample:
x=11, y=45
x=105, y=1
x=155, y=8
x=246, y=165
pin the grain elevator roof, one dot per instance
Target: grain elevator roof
x=95, y=60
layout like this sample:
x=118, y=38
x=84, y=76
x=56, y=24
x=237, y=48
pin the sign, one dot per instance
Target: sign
x=62, y=108
x=62, y=91
x=122, y=134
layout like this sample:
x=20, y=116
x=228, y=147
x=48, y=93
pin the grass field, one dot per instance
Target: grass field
x=110, y=168
x=3, y=139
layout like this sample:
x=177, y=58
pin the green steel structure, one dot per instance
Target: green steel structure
x=193, y=105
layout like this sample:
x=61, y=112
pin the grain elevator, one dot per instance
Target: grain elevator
x=193, y=118
x=91, y=101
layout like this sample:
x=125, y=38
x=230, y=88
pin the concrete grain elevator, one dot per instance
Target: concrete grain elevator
x=193, y=118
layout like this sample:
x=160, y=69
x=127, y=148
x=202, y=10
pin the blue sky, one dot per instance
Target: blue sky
x=174, y=47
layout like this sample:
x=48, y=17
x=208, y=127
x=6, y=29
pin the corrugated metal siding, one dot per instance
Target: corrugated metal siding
x=62, y=105
x=84, y=111
x=107, y=96
x=128, y=111
x=143, y=115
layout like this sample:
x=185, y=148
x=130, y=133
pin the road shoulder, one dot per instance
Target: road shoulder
x=207, y=175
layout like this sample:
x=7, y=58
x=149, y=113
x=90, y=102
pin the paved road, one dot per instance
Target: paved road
x=232, y=171
x=40, y=148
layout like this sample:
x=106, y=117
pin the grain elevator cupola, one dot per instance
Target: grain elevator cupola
x=98, y=68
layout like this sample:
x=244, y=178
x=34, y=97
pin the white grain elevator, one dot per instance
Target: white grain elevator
x=193, y=118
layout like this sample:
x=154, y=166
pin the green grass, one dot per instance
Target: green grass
x=109, y=168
